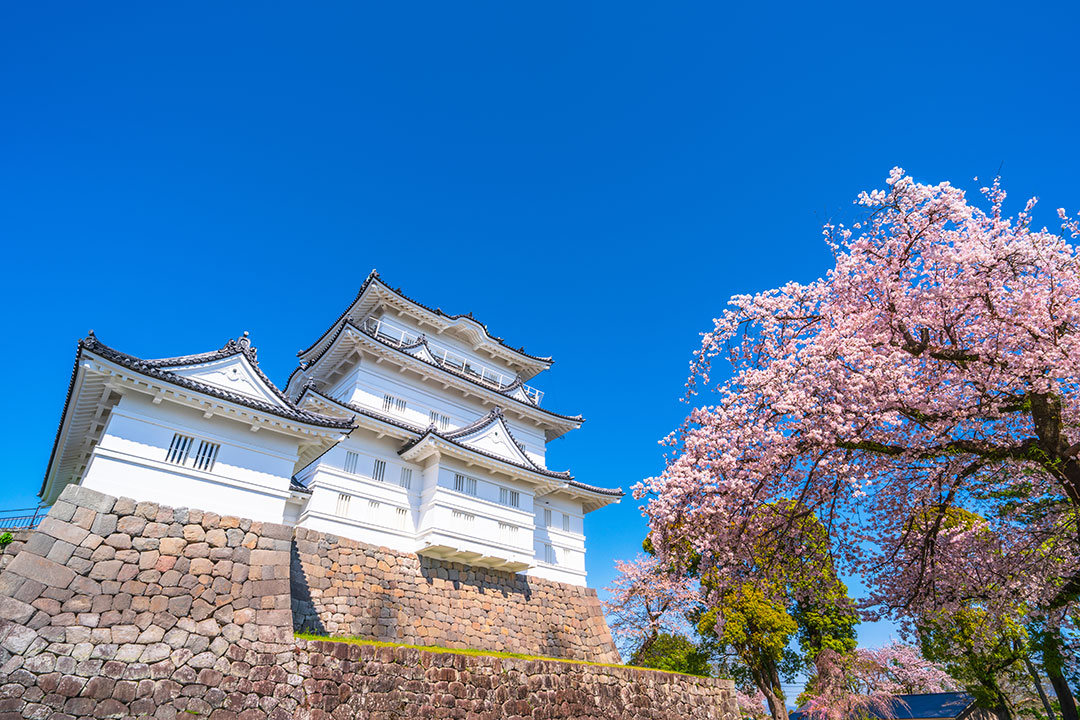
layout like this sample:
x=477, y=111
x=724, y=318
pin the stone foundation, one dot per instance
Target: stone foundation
x=351, y=681
x=346, y=588
x=118, y=609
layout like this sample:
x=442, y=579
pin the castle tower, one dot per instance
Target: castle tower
x=403, y=426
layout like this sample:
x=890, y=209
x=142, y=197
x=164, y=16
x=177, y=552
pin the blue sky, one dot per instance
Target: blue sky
x=591, y=180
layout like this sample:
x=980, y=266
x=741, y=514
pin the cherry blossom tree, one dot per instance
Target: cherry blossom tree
x=901, y=669
x=935, y=367
x=645, y=601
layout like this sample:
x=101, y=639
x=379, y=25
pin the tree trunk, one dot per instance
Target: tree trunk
x=635, y=659
x=1039, y=687
x=767, y=680
x=1052, y=664
x=1064, y=695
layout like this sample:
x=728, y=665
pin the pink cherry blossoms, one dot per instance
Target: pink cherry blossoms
x=923, y=399
x=645, y=601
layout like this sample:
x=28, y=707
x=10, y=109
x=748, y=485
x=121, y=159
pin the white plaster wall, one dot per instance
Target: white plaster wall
x=568, y=546
x=250, y=477
x=369, y=381
x=451, y=343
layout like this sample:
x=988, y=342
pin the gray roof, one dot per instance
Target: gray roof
x=452, y=438
x=506, y=391
x=922, y=705
x=155, y=369
x=373, y=277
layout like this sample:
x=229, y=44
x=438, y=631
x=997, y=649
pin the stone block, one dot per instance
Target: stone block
x=41, y=569
x=131, y=525
x=62, y=530
x=85, y=497
x=106, y=570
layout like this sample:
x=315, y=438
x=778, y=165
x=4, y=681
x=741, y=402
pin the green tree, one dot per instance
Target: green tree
x=676, y=653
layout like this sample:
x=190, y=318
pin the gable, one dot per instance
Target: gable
x=495, y=439
x=234, y=374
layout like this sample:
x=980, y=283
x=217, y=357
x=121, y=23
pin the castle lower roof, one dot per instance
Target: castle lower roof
x=454, y=438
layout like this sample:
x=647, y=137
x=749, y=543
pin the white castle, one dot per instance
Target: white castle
x=402, y=427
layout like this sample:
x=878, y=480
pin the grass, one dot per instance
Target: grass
x=473, y=652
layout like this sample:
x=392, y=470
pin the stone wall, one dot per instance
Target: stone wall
x=346, y=588
x=119, y=609
x=364, y=681
x=10, y=550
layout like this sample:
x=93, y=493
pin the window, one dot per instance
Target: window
x=464, y=484
x=521, y=445
x=440, y=421
x=378, y=471
x=509, y=497
x=401, y=516
x=206, y=455
x=462, y=518
x=393, y=404
x=406, y=477
x=350, y=462
x=178, y=450
x=549, y=554
x=565, y=522
x=373, y=510
x=342, y=505
x=508, y=533
x=547, y=517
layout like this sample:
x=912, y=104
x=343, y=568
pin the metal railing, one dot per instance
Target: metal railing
x=22, y=519
x=396, y=336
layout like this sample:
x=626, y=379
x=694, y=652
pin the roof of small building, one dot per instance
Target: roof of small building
x=156, y=368
x=373, y=277
x=922, y=706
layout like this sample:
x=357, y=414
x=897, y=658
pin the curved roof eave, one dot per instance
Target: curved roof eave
x=422, y=433
x=348, y=324
x=373, y=277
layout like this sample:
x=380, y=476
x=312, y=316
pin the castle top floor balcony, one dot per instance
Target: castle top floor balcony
x=397, y=336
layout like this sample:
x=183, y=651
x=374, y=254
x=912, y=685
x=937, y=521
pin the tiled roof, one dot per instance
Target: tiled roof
x=153, y=368
x=441, y=366
x=920, y=706
x=451, y=437
x=373, y=277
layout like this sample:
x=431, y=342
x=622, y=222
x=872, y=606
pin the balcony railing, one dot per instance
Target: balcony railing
x=396, y=336
x=22, y=519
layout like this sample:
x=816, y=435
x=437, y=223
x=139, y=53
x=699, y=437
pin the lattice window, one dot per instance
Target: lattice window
x=351, y=459
x=440, y=421
x=342, y=509
x=206, y=456
x=406, y=478
x=549, y=555
x=401, y=518
x=179, y=449
x=508, y=533
x=547, y=517
x=565, y=522
x=511, y=498
x=378, y=470
x=393, y=404
x=462, y=518
x=465, y=484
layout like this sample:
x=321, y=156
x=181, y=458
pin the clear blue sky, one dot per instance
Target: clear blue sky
x=592, y=180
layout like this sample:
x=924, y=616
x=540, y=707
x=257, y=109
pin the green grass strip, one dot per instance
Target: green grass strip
x=470, y=651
